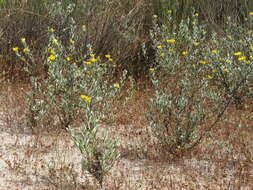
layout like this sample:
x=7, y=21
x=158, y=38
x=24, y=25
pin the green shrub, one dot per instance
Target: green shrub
x=197, y=78
x=76, y=90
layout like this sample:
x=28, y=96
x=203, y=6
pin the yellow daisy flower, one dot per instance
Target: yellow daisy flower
x=238, y=53
x=15, y=49
x=87, y=99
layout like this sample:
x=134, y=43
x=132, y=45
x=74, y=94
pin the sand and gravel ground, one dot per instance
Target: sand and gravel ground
x=51, y=161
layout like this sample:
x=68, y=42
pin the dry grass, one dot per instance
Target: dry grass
x=49, y=160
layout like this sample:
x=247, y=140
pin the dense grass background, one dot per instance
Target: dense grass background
x=118, y=27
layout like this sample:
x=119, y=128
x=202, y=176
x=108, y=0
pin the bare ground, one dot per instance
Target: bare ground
x=49, y=160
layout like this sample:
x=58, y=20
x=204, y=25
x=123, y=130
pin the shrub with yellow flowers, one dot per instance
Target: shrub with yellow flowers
x=196, y=79
x=76, y=90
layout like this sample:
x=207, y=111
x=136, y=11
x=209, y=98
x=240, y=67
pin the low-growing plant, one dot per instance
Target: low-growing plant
x=195, y=82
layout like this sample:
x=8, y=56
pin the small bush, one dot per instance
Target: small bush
x=196, y=80
x=77, y=90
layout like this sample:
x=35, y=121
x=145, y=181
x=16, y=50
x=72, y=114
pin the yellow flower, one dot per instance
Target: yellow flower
x=22, y=40
x=238, y=53
x=93, y=59
x=242, y=58
x=251, y=48
x=214, y=70
x=52, y=57
x=87, y=99
x=193, y=22
x=87, y=62
x=55, y=41
x=162, y=54
x=110, y=59
x=108, y=56
x=69, y=58
x=184, y=52
x=251, y=57
x=116, y=85
x=169, y=11
x=196, y=14
x=15, y=49
x=209, y=76
x=171, y=41
x=214, y=51
x=50, y=50
x=159, y=47
x=92, y=55
x=25, y=50
x=51, y=30
x=195, y=43
x=71, y=41
x=202, y=62
x=251, y=13
x=225, y=70
x=151, y=69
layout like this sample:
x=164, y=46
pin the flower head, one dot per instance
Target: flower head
x=209, y=76
x=159, y=47
x=171, y=41
x=69, y=58
x=87, y=62
x=169, y=11
x=214, y=51
x=22, y=40
x=251, y=13
x=87, y=99
x=195, y=43
x=52, y=57
x=55, y=41
x=51, y=30
x=108, y=56
x=50, y=50
x=116, y=85
x=151, y=69
x=238, y=53
x=202, y=62
x=242, y=58
x=25, y=50
x=93, y=59
x=15, y=49
x=71, y=41
x=184, y=52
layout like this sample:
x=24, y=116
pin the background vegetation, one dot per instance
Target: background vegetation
x=118, y=26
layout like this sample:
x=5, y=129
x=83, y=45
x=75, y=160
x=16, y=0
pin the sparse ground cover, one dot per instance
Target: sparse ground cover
x=49, y=159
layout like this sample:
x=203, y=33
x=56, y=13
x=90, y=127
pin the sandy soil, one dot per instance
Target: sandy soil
x=51, y=161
